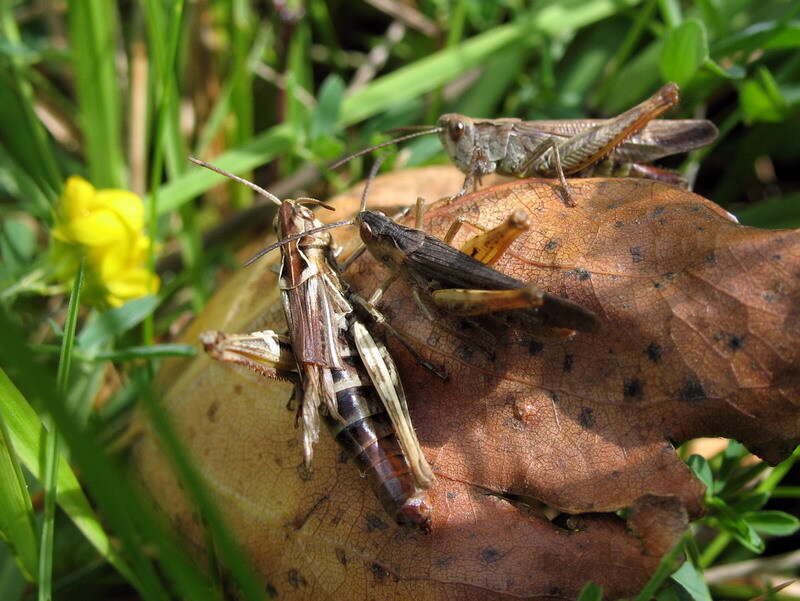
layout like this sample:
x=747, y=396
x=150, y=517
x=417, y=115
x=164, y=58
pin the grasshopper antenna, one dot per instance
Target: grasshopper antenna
x=363, y=151
x=236, y=178
x=288, y=239
x=313, y=201
x=372, y=173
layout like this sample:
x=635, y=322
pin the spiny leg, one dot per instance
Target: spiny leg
x=538, y=164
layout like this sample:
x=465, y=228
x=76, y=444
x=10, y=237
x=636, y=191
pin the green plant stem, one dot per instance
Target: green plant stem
x=768, y=484
x=786, y=492
x=714, y=548
x=50, y=470
x=665, y=568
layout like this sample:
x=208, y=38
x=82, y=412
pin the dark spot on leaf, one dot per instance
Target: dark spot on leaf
x=551, y=245
x=776, y=257
x=304, y=472
x=654, y=352
x=692, y=390
x=568, y=359
x=490, y=555
x=295, y=578
x=271, y=591
x=735, y=342
x=636, y=254
x=237, y=388
x=711, y=258
x=211, y=412
x=657, y=211
x=451, y=496
x=443, y=562
x=700, y=228
x=554, y=592
x=378, y=571
x=582, y=274
x=619, y=224
x=586, y=418
x=616, y=474
x=535, y=347
x=695, y=208
x=341, y=556
x=375, y=523
x=633, y=389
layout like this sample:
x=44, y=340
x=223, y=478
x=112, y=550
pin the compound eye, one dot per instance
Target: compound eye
x=456, y=130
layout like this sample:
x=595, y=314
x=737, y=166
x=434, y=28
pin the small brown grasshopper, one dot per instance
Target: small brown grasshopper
x=582, y=147
x=341, y=371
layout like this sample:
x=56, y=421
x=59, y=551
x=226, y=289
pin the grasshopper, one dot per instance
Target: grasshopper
x=445, y=279
x=620, y=146
x=340, y=370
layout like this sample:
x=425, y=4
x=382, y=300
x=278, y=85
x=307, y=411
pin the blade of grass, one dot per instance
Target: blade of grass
x=24, y=137
x=399, y=86
x=138, y=532
x=167, y=58
x=241, y=100
x=16, y=511
x=26, y=434
x=93, y=26
x=225, y=545
x=50, y=469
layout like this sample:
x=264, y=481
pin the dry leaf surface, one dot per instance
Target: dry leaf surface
x=699, y=337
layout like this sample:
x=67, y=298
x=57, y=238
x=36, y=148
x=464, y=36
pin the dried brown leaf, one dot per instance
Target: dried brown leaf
x=699, y=338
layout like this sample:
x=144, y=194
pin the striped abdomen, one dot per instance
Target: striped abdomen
x=366, y=432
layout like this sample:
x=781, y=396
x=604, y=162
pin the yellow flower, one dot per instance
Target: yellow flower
x=105, y=227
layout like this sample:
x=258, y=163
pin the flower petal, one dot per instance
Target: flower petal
x=98, y=229
x=127, y=205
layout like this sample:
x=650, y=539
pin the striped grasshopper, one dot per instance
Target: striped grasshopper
x=340, y=371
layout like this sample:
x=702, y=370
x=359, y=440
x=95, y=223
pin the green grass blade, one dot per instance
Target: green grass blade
x=16, y=511
x=50, y=468
x=407, y=83
x=261, y=149
x=229, y=551
x=24, y=137
x=138, y=533
x=93, y=36
x=25, y=431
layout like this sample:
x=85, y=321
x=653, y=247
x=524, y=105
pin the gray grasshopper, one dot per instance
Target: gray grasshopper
x=341, y=371
x=620, y=146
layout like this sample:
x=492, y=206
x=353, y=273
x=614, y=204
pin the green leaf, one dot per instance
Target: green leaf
x=750, y=502
x=326, y=115
x=781, y=212
x=761, y=99
x=777, y=523
x=691, y=579
x=104, y=326
x=685, y=50
x=701, y=469
x=591, y=592
x=17, y=244
x=16, y=510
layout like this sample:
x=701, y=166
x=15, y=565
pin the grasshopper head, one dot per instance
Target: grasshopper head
x=457, y=134
x=385, y=239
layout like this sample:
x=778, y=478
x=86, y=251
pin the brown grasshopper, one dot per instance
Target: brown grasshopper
x=343, y=373
x=582, y=147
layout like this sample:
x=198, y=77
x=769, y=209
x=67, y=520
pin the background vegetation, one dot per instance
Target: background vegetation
x=122, y=92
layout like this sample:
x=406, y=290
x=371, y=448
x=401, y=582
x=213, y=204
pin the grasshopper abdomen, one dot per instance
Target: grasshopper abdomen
x=366, y=432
